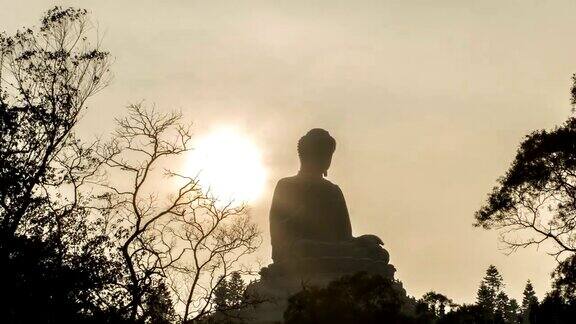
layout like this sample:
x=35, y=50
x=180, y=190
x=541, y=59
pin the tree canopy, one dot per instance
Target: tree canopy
x=537, y=196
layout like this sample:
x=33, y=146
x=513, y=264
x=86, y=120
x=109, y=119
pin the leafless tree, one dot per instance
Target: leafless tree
x=216, y=237
x=188, y=238
x=530, y=222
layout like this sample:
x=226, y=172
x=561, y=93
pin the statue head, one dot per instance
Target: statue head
x=315, y=150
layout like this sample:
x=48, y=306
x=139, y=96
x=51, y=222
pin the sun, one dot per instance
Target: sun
x=229, y=165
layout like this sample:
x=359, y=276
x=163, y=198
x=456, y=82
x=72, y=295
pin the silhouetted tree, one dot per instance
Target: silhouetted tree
x=52, y=251
x=485, y=298
x=554, y=310
x=423, y=312
x=158, y=307
x=359, y=298
x=513, y=312
x=535, y=202
x=507, y=309
x=230, y=299
x=493, y=279
x=529, y=302
x=502, y=302
x=221, y=294
x=489, y=289
x=564, y=278
x=437, y=303
x=190, y=238
x=236, y=288
x=46, y=76
x=559, y=305
x=491, y=298
x=536, y=199
x=230, y=293
x=466, y=314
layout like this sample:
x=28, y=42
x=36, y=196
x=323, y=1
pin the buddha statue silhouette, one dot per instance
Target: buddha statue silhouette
x=309, y=217
x=311, y=234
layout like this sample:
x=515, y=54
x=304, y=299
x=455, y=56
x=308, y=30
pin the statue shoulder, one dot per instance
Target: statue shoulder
x=297, y=182
x=331, y=184
x=285, y=184
x=286, y=181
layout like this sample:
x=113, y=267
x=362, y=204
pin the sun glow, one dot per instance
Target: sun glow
x=229, y=165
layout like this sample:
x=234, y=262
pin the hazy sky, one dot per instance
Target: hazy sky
x=427, y=100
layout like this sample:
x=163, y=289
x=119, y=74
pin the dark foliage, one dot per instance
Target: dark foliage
x=158, y=306
x=436, y=304
x=36, y=277
x=46, y=76
x=535, y=202
x=493, y=302
x=554, y=310
x=529, y=303
x=564, y=279
x=467, y=314
x=360, y=298
x=537, y=196
x=52, y=253
x=229, y=294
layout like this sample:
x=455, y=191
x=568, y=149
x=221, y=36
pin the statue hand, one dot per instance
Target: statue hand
x=369, y=239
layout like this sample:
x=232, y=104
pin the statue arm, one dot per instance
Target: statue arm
x=281, y=232
x=344, y=217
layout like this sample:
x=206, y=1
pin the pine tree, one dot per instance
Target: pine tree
x=159, y=308
x=492, y=299
x=529, y=296
x=513, y=313
x=236, y=289
x=493, y=279
x=490, y=287
x=529, y=301
x=485, y=298
x=230, y=292
x=506, y=309
x=221, y=294
x=502, y=301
